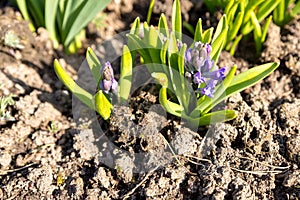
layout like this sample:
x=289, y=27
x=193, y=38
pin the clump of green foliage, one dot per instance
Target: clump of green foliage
x=285, y=11
x=65, y=20
x=245, y=17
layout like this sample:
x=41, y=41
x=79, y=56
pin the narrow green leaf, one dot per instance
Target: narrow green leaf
x=229, y=5
x=257, y=32
x=232, y=12
x=207, y=35
x=198, y=31
x=83, y=14
x=181, y=60
x=216, y=117
x=139, y=45
x=79, y=92
x=295, y=10
x=170, y=107
x=103, y=105
x=222, y=25
x=265, y=29
x=23, y=8
x=135, y=28
x=235, y=27
x=126, y=74
x=235, y=43
x=266, y=8
x=247, y=79
x=153, y=44
x=51, y=6
x=163, y=25
x=163, y=52
x=150, y=11
x=94, y=64
x=218, y=45
x=37, y=9
x=176, y=19
x=279, y=13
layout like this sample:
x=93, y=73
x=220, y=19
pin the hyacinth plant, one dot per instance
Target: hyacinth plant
x=183, y=71
x=285, y=11
x=191, y=83
x=107, y=86
x=244, y=17
x=64, y=20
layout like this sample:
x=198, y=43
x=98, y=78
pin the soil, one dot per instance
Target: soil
x=46, y=153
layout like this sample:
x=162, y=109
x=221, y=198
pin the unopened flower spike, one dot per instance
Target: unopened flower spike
x=108, y=83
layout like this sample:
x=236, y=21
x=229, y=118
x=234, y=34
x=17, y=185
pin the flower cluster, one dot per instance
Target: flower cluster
x=108, y=83
x=200, y=68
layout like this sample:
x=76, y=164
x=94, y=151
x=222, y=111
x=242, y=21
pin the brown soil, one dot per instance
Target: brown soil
x=256, y=156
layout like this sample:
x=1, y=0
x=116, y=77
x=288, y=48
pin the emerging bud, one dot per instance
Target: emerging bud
x=108, y=82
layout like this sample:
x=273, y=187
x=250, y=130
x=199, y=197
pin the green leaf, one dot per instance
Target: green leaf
x=79, y=92
x=81, y=15
x=216, y=117
x=170, y=107
x=176, y=19
x=247, y=79
x=150, y=11
x=137, y=44
x=36, y=8
x=163, y=25
x=279, y=13
x=218, y=45
x=94, y=64
x=265, y=29
x=235, y=27
x=126, y=74
x=22, y=5
x=234, y=44
x=207, y=35
x=163, y=52
x=257, y=32
x=103, y=105
x=135, y=28
x=153, y=44
x=51, y=6
x=222, y=25
x=266, y=8
x=181, y=60
x=198, y=31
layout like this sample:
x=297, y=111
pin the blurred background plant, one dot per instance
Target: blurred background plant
x=285, y=11
x=64, y=20
x=244, y=17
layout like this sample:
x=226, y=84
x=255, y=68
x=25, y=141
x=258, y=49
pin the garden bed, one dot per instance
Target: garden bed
x=42, y=153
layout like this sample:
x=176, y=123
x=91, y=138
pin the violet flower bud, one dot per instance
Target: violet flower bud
x=108, y=82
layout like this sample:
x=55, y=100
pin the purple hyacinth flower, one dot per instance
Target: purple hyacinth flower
x=188, y=56
x=208, y=90
x=198, y=78
x=208, y=48
x=207, y=66
x=114, y=86
x=217, y=74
